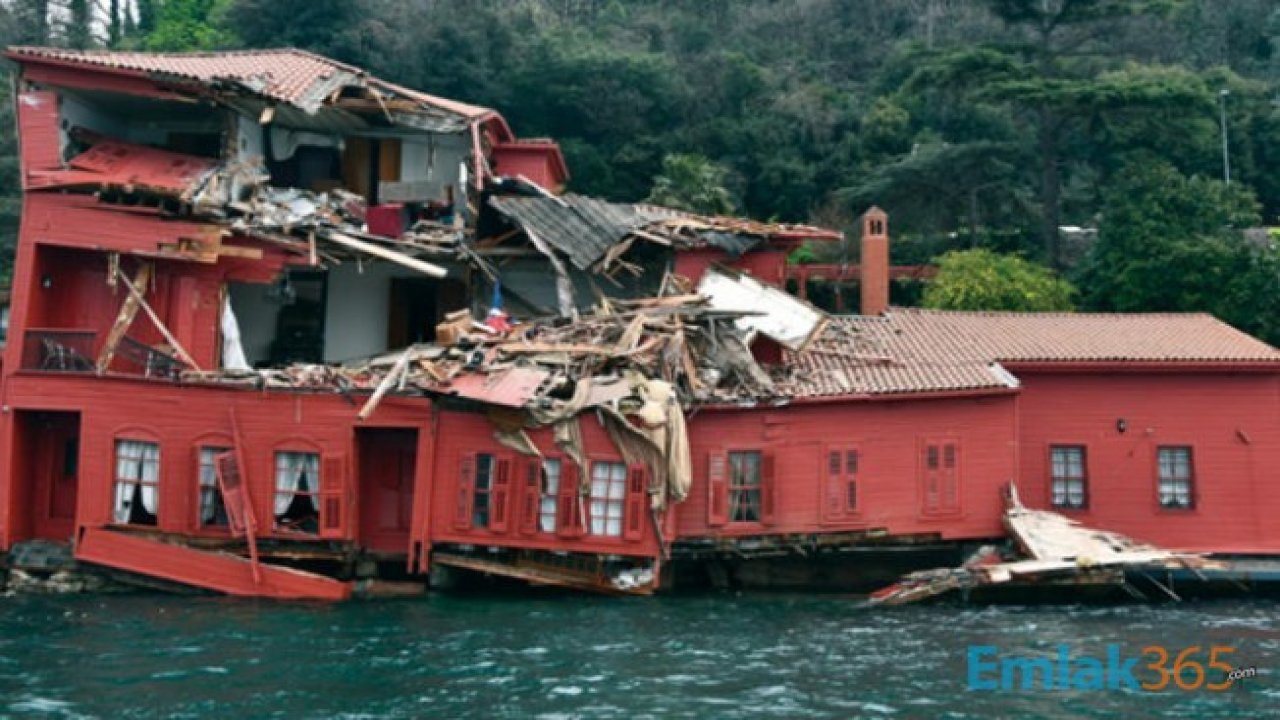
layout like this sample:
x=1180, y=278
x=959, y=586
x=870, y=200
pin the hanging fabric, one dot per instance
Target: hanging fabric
x=233, y=357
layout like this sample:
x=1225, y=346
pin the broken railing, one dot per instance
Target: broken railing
x=58, y=350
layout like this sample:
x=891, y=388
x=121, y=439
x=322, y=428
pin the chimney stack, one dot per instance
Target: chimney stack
x=875, y=262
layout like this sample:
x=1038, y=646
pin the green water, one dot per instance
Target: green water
x=151, y=656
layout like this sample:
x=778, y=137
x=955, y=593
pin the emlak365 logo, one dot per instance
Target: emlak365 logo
x=1153, y=669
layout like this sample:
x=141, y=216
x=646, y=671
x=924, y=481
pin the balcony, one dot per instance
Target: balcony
x=59, y=350
x=75, y=351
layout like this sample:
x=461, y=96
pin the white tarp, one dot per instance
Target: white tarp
x=782, y=317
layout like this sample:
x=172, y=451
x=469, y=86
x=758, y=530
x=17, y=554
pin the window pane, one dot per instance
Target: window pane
x=851, y=462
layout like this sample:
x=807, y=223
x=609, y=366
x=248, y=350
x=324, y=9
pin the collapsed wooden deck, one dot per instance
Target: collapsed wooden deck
x=1053, y=550
x=217, y=571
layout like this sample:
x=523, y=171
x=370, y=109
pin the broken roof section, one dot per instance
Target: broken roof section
x=588, y=230
x=287, y=77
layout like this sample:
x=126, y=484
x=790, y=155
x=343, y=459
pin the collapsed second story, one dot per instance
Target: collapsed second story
x=268, y=207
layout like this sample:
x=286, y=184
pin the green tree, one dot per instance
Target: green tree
x=982, y=280
x=186, y=25
x=1169, y=242
x=693, y=183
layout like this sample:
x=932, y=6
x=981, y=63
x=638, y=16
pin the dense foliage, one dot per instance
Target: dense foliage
x=975, y=124
x=983, y=280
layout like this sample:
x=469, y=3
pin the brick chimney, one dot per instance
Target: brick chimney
x=875, y=262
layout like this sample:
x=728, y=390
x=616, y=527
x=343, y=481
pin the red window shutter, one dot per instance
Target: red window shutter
x=950, y=499
x=768, y=488
x=500, y=495
x=334, y=520
x=570, y=510
x=230, y=480
x=717, y=490
x=637, y=484
x=930, y=479
x=833, y=505
x=531, y=499
x=466, y=495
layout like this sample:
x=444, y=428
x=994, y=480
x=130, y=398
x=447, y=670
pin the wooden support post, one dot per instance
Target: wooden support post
x=155, y=320
x=124, y=320
x=388, y=382
x=368, y=248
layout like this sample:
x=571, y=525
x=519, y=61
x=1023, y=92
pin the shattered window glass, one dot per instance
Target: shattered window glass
x=744, y=486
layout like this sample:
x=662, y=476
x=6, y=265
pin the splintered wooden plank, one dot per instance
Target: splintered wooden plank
x=124, y=319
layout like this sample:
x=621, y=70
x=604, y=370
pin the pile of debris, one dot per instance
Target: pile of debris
x=638, y=365
x=1050, y=549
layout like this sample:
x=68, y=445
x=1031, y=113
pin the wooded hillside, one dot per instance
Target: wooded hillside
x=975, y=124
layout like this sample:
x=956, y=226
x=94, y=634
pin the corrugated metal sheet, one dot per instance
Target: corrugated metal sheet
x=582, y=228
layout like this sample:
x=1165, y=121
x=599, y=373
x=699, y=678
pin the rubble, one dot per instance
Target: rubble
x=1049, y=549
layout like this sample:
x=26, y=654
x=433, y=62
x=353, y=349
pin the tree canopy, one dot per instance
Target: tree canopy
x=977, y=124
x=983, y=280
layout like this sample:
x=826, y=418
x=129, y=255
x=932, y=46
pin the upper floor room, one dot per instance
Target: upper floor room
x=308, y=121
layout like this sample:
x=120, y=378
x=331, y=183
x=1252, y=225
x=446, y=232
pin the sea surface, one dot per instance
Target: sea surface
x=704, y=656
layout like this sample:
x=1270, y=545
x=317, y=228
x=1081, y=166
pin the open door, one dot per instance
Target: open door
x=388, y=457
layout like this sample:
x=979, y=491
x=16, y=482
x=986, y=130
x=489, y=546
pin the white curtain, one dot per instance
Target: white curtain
x=136, y=463
x=232, y=349
x=291, y=467
x=208, y=483
x=150, y=476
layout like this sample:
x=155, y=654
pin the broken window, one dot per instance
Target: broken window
x=608, y=497
x=297, y=499
x=1068, y=483
x=549, y=496
x=744, y=486
x=213, y=510
x=137, y=487
x=1176, y=477
x=483, y=490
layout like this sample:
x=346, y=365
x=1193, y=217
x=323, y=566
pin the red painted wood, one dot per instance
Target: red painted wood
x=1231, y=421
x=225, y=573
x=388, y=461
x=38, y=132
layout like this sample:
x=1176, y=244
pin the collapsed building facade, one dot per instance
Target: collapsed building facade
x=278, y=326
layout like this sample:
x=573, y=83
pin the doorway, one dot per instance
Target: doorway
x=417, y=306
x=46, y=473
x=388, y=459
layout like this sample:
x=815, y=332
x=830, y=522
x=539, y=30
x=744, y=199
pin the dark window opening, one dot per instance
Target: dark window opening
x=483, y=490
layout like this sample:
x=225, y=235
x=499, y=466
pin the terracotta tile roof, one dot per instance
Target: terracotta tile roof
x=286, y=74
x=911, y=350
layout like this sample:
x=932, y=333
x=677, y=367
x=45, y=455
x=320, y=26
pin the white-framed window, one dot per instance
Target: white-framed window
x=550, y=495
x=1175, y=477
x=297, y=499
x=213, y=512
x=1068, y=477
x=137, y=485
x=608, y=497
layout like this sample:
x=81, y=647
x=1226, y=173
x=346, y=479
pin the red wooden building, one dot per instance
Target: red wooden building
x=894, y=428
